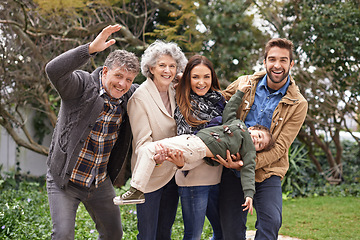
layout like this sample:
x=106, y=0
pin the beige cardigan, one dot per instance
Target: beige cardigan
x=150, y=122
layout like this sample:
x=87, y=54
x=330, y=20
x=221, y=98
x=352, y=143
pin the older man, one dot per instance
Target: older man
x=92, y=125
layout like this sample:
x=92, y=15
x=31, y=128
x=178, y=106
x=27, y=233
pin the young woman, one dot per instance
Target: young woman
x=199, y=105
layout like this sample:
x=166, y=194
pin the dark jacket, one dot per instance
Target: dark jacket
x=80, y=107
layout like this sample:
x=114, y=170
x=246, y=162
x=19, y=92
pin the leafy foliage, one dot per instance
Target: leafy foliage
x=221, y=30
x=232, y=43
x=326, y=37
x=303, y=180
x=25, y=214
x=298, y=176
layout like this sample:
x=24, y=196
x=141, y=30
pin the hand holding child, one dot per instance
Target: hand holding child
x=176, y=157
x=161, y=153
x=231, y=161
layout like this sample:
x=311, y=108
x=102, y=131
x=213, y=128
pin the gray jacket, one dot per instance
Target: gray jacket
x=80, y=107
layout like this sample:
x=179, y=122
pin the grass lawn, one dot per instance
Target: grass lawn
x=305, y=218
x=24, y=214
x=319, y=218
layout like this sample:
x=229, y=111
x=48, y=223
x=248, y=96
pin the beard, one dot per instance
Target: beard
x=277, y=79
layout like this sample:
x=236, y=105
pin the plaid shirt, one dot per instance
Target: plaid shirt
x=94, y=156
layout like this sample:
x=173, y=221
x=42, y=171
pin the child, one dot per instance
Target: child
x=208, y=142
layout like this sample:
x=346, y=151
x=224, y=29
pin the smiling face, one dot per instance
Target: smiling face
x=260, y=138
x=278, y=65
x=164, y=72
x=117, y=81
x=200, y=79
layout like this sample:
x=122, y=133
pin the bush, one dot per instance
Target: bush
x=24, y=209
x=302, y=178
x=25, y=214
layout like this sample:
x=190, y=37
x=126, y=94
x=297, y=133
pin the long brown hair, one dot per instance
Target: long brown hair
x=183, y=88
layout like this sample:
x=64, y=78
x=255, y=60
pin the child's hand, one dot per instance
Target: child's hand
x=244, y=84
x=248, y=205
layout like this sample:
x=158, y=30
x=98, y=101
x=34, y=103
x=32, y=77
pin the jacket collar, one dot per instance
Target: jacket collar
x=263, y=83
x=155, y=95
x=292, y=93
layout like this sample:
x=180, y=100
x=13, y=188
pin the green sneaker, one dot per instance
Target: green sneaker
x=132, y=196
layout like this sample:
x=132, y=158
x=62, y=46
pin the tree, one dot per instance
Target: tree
x=44, y=29
x=233, y=42
x=221, y=30
x=34, y=32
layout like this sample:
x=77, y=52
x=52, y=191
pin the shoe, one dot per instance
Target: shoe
x=132, y=196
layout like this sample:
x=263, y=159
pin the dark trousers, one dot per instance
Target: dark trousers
x=267, y=203
x=97, y=201
x=157, y=215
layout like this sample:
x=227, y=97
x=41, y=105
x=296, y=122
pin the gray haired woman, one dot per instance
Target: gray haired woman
x=151, y=114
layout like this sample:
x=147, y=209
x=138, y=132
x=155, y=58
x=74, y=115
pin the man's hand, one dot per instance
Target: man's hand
x=100, y=43
x=231, y=161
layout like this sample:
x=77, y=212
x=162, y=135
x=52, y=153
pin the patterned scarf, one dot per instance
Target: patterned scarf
x=205, y=107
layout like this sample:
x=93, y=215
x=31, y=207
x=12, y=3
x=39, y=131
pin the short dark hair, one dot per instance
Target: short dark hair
x=271, y=143
x=281, y=43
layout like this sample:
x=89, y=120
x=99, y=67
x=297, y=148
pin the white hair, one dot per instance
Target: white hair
x=158, y=49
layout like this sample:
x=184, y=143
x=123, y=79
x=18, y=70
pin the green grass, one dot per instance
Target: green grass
x=319, y=218
x=322, y=218
x=24, y=214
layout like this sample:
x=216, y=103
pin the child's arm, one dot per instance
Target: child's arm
x=248, y=205
x=247, y=173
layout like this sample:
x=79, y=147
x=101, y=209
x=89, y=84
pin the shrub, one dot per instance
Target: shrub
x=24, y=212
x=302, y=178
